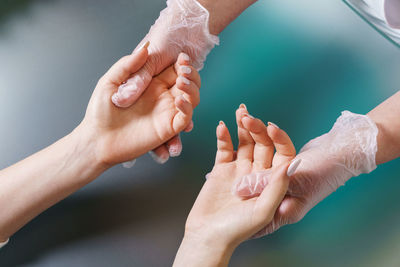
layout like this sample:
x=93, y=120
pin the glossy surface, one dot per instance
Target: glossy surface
x=382, y=15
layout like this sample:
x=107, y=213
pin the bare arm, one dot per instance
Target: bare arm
x=387, y=118
x=223, y=12
x=38, y=182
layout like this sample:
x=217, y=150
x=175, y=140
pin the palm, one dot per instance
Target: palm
x=230, y=211
x=129, y=133
x=220, y=213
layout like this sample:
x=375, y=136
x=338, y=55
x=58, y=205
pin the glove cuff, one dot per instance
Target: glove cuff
x=188, y=29
x=354, y=138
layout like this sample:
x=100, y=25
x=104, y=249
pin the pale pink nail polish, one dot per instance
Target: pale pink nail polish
x=273, y=125
x=186, y=70
x=293, y=167
x=248, y=115
x=158, y=159
x=185, y=57
x=184, y=80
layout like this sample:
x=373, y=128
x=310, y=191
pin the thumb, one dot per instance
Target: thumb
x=130, y=91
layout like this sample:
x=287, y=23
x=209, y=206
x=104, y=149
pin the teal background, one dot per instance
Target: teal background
x=295, y=63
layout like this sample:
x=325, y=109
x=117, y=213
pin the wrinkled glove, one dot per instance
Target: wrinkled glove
x=181, y=27
x=328, y=161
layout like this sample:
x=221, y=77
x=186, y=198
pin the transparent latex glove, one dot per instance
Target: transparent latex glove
x=327, y=162
x=181, y=27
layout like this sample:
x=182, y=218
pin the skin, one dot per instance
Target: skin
x=106, y=136
x=294, y=207
x=222, y=13
x=219, y=220
x=386, y=117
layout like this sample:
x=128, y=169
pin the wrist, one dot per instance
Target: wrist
x=183, y=27
x=198, y=250
x=84, y=150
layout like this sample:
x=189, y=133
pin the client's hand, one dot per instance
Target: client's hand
x=219, y=220
x=328, y=161
x=164, y=110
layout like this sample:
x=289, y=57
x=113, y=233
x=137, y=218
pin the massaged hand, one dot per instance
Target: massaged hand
x=181, y=27
x=219, y=220
x=164, y=110
x=327, y=163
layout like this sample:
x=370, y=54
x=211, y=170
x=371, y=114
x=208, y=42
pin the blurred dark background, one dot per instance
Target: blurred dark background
x=296, y=63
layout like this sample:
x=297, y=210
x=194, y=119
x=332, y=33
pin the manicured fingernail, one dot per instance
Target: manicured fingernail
x=114, y=99
x=221, y=123
x=186, y=69
x=184, y=80
x=156, y=158
x=243, y=106
x=185, y=57
x=145, y=45
x=293, y=167
x=248, y=115
x=190, y=127
x=273, y=125
x=175, y=151
x=181, y=97
x=129, y=164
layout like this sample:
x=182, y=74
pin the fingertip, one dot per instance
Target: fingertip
x=190, y=127
x=293, y=166
x=220, y=129
x=160, y=154
x=182, y=82
x=240, y=112
x=183, y=59
x=123, y=102
x=143, y=49
x=274, y=130
x=247, y=121
x=175, y=146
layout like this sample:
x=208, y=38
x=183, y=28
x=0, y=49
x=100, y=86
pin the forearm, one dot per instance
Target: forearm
x=223, y=12
x=41, y=180
x=386, y=116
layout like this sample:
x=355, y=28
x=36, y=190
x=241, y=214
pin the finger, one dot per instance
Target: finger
x=183, y=68
x=192, y=93
x=167, y=76
x=285, y=150
x=264, y=148
x=246, y=142
x=175, y=146
x=225, y=151
x=130, y=91
x=190, y=127
x=184, y=115
x=160, y=154
x=126, y=66
x=272, y=195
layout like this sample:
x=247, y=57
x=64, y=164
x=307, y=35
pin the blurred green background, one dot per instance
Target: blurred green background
x=295, y=63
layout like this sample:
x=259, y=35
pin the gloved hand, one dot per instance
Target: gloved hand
x=181, y=27
x=328, y=161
